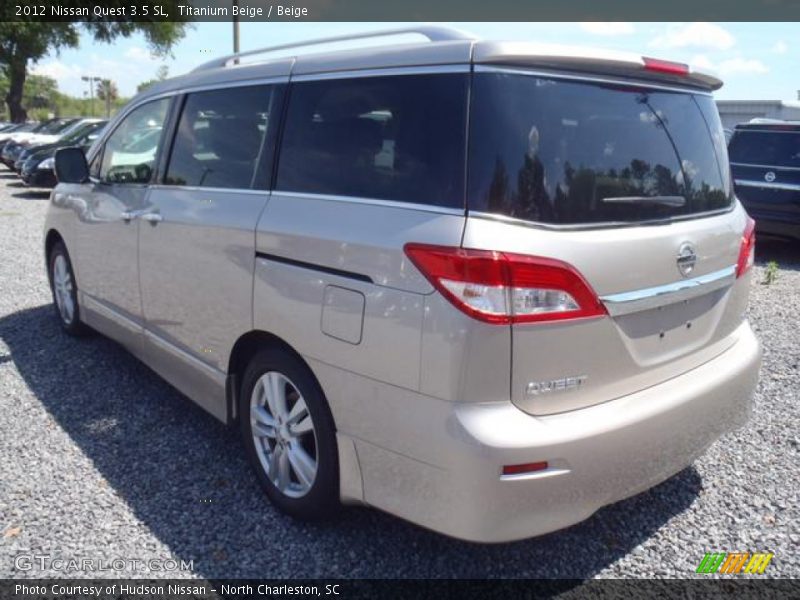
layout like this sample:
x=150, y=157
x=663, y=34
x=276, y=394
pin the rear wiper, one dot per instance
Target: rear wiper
x=662, y=200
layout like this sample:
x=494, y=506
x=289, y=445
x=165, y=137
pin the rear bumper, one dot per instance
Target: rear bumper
x=597, y=455
x=776, y=227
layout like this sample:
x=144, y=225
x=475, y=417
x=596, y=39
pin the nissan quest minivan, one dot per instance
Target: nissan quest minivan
x=487, y=287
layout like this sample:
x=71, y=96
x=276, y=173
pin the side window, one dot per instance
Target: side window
x=220, y=141
x=396, y=138
x=129, y=154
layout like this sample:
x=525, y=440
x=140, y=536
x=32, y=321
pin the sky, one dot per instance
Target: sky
x=757, y=61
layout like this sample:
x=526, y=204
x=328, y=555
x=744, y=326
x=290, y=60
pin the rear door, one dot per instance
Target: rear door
x=765, y=161
x=629, y=185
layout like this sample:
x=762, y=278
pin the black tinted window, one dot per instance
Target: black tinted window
x=768, y=148
x=393, y=138
x=220, y=139
x=565, y=152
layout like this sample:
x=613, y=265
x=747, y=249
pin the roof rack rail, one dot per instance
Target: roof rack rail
x=434, y=33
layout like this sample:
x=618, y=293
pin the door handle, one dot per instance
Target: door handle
x=152, y=218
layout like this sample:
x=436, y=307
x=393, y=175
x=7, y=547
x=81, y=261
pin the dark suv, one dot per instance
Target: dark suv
x=765, y=161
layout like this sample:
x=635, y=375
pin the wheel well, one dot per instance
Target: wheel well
x=50, y=240
x=243, y=350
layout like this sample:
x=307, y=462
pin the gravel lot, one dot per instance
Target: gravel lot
x=99, y=458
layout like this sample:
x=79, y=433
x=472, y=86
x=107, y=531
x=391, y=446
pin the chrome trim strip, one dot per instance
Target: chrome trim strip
x=551, y=472
x=768, y=167
x=197, y=188
x=382, y=72
x=90, y=303
x=765, y=184
x=593, y=226
x=441, y=210
x=653, y=297
x=180, y=354
x=559, y=74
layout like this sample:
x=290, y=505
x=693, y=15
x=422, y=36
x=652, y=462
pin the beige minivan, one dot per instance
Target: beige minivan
x=488, y=287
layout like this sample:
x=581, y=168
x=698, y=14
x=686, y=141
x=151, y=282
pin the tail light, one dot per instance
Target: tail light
x=747, y=251
x=665, y=66
x=502, y=288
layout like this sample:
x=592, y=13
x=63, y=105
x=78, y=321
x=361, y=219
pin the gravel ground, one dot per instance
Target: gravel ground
x=101, y=459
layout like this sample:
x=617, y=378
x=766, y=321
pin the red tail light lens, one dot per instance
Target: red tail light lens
x=502, y=288
x=665, y=66
x=747, y=251
x=526, y=468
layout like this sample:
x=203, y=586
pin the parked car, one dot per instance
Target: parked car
x=13, y=148
x=17, y=129
x=36, y=164
x=487, y=287
x=67, y=138
x=765, y=161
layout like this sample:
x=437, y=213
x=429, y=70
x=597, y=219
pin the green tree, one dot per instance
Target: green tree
x=107, y=92
x=21, y=42
x=161, y=74
x=40, y=93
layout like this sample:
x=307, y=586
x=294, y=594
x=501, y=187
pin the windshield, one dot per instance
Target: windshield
x=55, y=126
x=766, y=148
x=575, y=152
x=77, y=131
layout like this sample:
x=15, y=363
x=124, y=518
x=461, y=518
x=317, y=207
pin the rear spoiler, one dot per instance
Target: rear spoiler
x=591, y=60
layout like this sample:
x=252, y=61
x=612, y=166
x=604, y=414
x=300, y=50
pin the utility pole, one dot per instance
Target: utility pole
x=236, y=30
x=91, y=79
x=108, y=98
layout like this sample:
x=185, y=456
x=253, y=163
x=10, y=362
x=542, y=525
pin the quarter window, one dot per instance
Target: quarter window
x=220, y=141
x=129, y=154
x=396, y=138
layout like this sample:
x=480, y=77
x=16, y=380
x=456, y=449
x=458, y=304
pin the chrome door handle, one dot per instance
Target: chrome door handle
x=152, y=218
x=129, y=215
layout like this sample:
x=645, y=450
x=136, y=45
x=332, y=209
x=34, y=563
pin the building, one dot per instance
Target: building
x=739, y=111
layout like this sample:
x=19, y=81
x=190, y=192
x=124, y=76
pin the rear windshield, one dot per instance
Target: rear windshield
x=767, y=148
x=568, y=153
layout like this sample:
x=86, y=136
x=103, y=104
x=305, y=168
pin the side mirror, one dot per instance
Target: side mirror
x=71, y=166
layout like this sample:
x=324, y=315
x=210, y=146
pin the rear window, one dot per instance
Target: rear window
x=396, y=138
x=767, y=148
x=568, y=153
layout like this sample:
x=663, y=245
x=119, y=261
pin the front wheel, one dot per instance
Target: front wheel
x=65, y=290
x=289, y=435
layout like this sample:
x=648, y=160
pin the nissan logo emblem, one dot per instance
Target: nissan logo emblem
x=769, y=177
x=687, y=257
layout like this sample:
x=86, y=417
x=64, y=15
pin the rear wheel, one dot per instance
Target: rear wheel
x=65, y=291
x=289, y=435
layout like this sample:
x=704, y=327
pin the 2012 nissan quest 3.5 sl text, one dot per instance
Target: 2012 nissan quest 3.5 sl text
x=487, y=287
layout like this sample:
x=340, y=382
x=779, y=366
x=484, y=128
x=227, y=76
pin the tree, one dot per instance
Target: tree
x=23, y=41
x=40, y=92
x=107, y=92
x=161, y=74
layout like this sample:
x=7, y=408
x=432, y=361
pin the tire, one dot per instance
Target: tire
x=65, y=291
x=280, y=400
